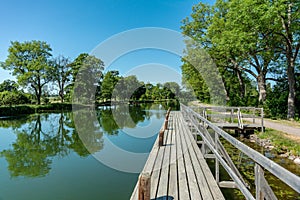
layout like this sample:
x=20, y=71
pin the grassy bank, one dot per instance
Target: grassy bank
x=30, y=109
x=281, y=141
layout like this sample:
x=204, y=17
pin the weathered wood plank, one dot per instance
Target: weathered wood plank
x=178, y=169
x=215, y=190
x=173, y=186
x=148, y=166
x=192, y=180
x=182, y=179
x=164, y=176
x=204, y=188
x=156, y=172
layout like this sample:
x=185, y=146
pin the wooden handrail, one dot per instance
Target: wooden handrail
x=283, y=174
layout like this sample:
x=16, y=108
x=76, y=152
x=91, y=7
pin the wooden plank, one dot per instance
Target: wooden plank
x=178, y=169
x=152, y=157
x=203, y=186
x=164, y=175
x=156, y=172
x=148, y=166
x=192, y=180
x=183, y=191
x=227, y=184
x=215, y=190
x=173, y=186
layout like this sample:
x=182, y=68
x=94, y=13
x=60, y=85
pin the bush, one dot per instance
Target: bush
x=13, y=98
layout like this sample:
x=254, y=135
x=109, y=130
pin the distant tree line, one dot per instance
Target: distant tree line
x=255, y=45
x=80, y=80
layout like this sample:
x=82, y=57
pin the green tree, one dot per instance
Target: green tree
x=29, y=63
x=13, y=98
x=174, y=87
x=61, y=74
x=87, y=74
x=109, y=82
x=127, y=88
x=237, y=36
x=8, y=85
x=285, y=18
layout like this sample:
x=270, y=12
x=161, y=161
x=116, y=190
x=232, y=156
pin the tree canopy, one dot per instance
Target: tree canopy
x=29, y=63
x=250, y=39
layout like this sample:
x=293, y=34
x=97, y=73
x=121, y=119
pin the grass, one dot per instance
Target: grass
x=282, y=141
x=30, y=109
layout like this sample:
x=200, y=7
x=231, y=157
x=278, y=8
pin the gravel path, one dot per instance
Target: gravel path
x=282, y=127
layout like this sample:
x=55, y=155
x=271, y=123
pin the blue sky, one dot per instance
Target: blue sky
x=72, y=27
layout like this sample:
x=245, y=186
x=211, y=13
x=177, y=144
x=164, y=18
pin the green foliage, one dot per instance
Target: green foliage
x=127, y=88
x=193, y=80
x=8, y=85
x=61, y=72
x=87, y=74
x=13, y=98
x=29, y=63
x=109, y=82
x=254, y=38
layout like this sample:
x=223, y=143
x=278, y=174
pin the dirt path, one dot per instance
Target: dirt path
x=283, y=127
x=292, y=129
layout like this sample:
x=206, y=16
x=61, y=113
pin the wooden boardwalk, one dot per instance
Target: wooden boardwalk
x=178, y=169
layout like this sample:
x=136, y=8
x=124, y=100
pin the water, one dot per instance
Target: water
x=43, y=157
x=246, y=167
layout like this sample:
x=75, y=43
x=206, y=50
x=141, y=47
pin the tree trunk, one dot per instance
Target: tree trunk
x=261, y=82
x=241, y=83
x=290, y=58
x=292, y=91
x=38, y=95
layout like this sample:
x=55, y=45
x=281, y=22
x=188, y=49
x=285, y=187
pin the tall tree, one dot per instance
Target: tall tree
x=286, y=21
x=174, y=87
x=29, y=63
x=61, y=72
x=87, y=75
x=109, y=82
x=236, y=34
x=127, y=87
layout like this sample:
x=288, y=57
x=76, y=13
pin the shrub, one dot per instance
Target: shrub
x=13, y=98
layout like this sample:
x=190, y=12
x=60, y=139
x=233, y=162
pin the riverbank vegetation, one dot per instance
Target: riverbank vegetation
x=43, y=79
x=255, y=46
x=283, y=143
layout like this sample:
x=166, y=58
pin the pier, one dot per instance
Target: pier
x=177, y=169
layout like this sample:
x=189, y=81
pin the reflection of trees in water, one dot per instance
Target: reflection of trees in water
x=89, y=132
x=112, y=119
x=40, y=138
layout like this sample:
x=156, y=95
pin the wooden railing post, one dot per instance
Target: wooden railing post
x=217, y=172
x=262, y=120
x=258, y=173
x=166, y=124
x=254, y=116
x=231, y=115
x=161, y=138
x=263, y=190
x=144, y=186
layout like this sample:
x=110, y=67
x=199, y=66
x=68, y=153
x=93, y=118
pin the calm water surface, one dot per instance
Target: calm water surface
x=42, y=156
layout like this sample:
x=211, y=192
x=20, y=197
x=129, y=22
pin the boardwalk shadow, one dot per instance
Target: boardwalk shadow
x=164, y=198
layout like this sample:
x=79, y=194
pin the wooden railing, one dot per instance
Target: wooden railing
x=263, y=190
x=243, y=115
